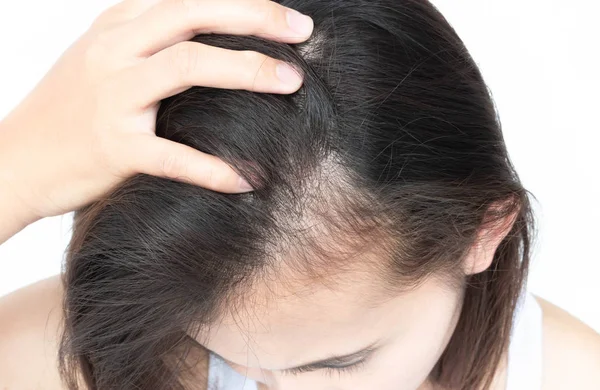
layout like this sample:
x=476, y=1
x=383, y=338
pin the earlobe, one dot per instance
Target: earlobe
x=481, y=255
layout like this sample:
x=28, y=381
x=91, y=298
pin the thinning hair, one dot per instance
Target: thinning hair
x=392, y=143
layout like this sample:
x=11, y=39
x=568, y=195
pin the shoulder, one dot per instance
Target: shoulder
x=30, y=321
x=571, y=355
x=30, y=330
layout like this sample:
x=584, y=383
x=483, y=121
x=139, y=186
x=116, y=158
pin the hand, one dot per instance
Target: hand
x=89, y=123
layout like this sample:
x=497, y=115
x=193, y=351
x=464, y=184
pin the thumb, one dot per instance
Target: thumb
x=164, y=158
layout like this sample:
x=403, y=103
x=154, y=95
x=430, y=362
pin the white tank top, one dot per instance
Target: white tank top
x=524, y=355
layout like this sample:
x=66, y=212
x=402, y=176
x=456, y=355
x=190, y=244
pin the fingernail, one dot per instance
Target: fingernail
x=244, y=185
x=288, y=75
x=300, y=23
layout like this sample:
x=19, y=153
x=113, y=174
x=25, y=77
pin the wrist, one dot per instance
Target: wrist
x=15, y=213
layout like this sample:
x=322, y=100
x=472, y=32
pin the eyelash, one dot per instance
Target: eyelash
x=347, y=369
x=331, y=370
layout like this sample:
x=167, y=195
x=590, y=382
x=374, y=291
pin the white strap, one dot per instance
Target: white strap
x=525, y=350
x=222, y=377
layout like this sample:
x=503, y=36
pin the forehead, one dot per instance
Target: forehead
x=280, y=329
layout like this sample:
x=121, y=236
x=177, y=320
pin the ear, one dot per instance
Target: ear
x=488, y=239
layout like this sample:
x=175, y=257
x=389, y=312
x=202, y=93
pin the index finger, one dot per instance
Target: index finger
x=173, y=21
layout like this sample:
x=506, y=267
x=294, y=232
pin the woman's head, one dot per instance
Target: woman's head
x=386, y=214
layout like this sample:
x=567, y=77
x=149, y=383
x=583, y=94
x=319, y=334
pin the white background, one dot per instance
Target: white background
x=540, y=61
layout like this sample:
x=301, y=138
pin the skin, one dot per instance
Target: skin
x=111, y=80
x=413, y=328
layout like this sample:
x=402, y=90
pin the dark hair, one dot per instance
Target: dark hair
x=392, y=143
